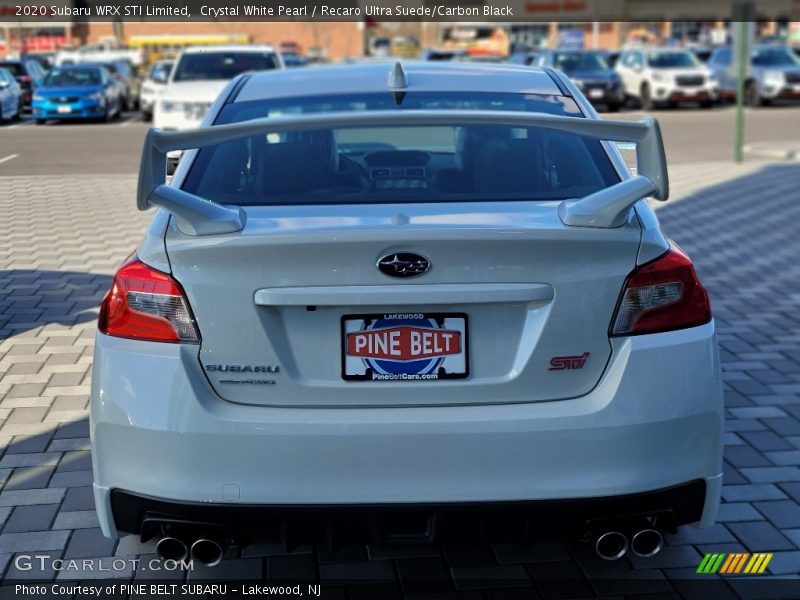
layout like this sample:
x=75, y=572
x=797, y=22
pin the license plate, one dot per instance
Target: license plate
x=64, y=109
x=796, y=88
x=404, y=347
x=595, y=93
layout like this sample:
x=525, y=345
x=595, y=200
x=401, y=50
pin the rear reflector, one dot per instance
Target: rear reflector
x=146, y=304
x=662, y=295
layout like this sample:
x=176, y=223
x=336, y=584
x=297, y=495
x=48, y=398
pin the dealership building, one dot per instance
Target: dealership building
x=604, y=24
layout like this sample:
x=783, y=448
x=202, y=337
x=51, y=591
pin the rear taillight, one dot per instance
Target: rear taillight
x=662, y=295
x=146, y=304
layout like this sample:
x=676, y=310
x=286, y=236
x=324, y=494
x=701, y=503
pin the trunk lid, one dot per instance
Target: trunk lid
x=537, y=296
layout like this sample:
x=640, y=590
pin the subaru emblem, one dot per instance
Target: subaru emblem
x=404, y=264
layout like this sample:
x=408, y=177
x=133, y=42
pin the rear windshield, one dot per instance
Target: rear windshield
x=401, y=164
x=222, y=65
x=672, y=60
x=571, y=62
x=77, y=77
x=15, y=68
x=774, y=57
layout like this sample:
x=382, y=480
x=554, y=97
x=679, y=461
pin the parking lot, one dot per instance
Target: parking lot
x=690, y=134
x=69, y=217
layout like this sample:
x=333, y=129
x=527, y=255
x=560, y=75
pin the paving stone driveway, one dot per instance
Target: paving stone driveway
x=63, y=237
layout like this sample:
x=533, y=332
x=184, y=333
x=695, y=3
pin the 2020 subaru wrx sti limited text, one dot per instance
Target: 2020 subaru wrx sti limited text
x=405, y=301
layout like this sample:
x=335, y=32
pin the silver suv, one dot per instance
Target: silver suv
x=773, y=73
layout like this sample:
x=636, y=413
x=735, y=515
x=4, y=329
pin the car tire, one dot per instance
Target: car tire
x=645, y=99
x=41, y=121
x=613, y=106
x=147, y=116
x=751, y=95
x=706, y=104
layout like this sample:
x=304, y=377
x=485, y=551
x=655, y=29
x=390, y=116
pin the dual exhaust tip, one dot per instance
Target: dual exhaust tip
x=204, y=550
x=614, y=544
x=611, y=545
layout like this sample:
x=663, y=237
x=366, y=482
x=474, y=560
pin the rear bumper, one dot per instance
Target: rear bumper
x=654, y=421
x=379, y=523
x=684, y=94
x=81, y=110
x=605, y=95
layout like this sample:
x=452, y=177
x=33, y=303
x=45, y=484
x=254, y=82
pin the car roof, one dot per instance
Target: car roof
x=85, y=66
x=571, y=51
x=228, y=48
x=421, y=76
x=665, y=50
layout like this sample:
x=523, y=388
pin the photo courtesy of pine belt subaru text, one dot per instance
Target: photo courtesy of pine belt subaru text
x=405, y=303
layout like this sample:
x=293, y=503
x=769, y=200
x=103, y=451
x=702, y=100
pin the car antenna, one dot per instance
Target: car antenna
x=398, y=82
x=397, y=77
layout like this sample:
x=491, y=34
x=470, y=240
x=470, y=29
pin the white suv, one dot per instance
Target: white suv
x=665, y=77
x=199, y=75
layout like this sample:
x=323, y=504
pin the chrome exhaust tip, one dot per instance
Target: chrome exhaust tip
x=207, y=552
x=170, y=548
x=611, y=545
x=647, y=543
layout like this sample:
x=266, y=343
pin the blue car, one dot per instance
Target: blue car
x=77, y=92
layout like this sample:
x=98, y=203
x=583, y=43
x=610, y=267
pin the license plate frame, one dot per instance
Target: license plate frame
x=406, y=370
x=64, y=110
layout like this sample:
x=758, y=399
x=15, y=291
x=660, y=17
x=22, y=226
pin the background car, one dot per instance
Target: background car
x=773, y=73
x=125, y=78
x=664, y=77
x=29, y=75
x=590, y=72
x=152, y=86
x=443, y=54
x=198, y=77
x=45, y=59
x=100, y=52
x=77, y=92
x=10, y=96
x=292, y=59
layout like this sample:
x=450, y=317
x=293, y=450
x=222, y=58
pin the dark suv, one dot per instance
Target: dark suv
x=28, y=72
x=589, y=71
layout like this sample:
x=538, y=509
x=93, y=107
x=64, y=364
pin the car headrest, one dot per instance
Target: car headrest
x=292, y=168
x=323, y=139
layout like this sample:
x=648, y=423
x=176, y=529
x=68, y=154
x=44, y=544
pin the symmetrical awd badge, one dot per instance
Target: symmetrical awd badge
x=403, y=264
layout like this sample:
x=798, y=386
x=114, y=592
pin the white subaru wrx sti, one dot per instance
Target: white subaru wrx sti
x=405, y=303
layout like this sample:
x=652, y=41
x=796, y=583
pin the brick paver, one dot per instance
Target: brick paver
x=64, y=236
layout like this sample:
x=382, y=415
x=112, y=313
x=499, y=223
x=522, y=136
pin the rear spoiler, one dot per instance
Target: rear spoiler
x=605, y=208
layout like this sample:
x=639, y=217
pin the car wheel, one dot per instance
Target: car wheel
x=147, y=116
x=41, y=121
x=706, y=104
x=751, y=95
x=613, y=106
x=645, y=98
